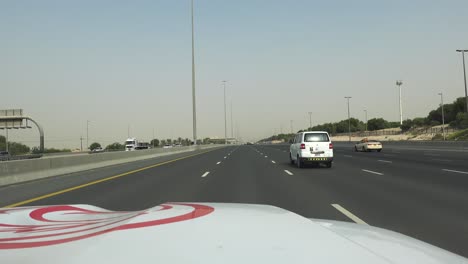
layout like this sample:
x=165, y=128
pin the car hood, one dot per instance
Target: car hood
x=199, y=233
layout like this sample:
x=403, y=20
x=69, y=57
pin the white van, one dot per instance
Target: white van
x=311, y=147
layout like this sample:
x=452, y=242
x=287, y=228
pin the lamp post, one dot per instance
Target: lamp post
x=399, y=83
x=443, y=117
x=310, y=120
x=365, y=111
x=349, y=119
x=232, y=127
x=194, y=110
x=225, y=120
x=464, y=76
x=87, y=134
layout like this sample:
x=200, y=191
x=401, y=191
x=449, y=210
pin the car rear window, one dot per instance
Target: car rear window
x=316, y=137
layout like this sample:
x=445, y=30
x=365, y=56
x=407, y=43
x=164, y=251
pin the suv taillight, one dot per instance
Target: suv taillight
x=302, y=146
x=330, y=146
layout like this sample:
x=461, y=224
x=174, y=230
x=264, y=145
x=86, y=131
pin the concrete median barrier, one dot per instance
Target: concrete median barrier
x=17, y=171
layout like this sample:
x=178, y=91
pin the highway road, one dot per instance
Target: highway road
x=418, y=191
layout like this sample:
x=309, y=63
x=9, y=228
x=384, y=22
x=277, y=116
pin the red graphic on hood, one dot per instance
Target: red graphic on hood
x=53, y=225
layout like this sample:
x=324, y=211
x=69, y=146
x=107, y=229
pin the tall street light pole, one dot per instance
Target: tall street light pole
x=365, y=111
x=464, y=75
x=225, y=120
x=349, y=119
x=87, y=134
x=291, y=123
x=232, y=128
x=310, y=120
x=194, y=110
x=399, y=83
x=443, y=117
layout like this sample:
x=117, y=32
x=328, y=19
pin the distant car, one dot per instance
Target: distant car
x=368, y=145
x=97, y=150
x=167, y=146
x=178, y=145
x=4, y=155
x=311, y=147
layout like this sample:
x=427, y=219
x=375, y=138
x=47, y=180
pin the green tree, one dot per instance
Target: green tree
x=419, y=121
x=155, y=142
x=407, y=125
x=163, y=142
x=2, y=143
x=392, y=124
x=94, y=146
x=169, y=141
x=461, y=120
x=376, y=124
x=179, y=140
x=115, y=147
x=206, y=141
x=450, y=111
x=17, y=148
x=14, y=148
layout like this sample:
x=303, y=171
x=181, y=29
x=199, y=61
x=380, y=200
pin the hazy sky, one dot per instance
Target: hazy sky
x=120, y=63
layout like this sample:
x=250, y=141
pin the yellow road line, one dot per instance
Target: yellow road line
x=99, y=181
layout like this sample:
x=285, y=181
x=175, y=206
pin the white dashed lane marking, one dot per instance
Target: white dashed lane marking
x=349, y=214
x=385, y=161
x=455, y=171
x=373, y=172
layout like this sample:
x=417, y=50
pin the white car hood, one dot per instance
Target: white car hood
x=199, y=233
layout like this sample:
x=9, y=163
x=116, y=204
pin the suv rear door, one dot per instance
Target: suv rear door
x=317, y=144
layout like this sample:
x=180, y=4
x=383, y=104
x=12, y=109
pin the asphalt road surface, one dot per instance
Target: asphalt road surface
x=418, y=191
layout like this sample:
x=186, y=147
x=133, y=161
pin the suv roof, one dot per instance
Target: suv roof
x=313, y=132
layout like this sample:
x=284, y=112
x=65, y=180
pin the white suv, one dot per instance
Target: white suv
x=311, y=147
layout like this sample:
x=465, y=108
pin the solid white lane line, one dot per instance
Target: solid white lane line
x=273, y=162
x=288, y=172
x=462, y=172
x=348, y=156
x=349, y=214
x=266, y=156
x=204, y=174
x=218, y=162
x=386, y=161
x=374, y=172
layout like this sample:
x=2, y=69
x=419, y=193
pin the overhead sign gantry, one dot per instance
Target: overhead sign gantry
x=14, y=119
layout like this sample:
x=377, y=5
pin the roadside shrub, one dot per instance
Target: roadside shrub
x=459, y=136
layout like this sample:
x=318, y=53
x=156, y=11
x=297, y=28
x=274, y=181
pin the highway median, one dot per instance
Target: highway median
x=18, y=171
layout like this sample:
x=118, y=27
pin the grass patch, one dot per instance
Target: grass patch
x=461, y=135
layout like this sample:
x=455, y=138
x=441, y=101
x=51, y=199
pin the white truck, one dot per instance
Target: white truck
x=133, y=144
